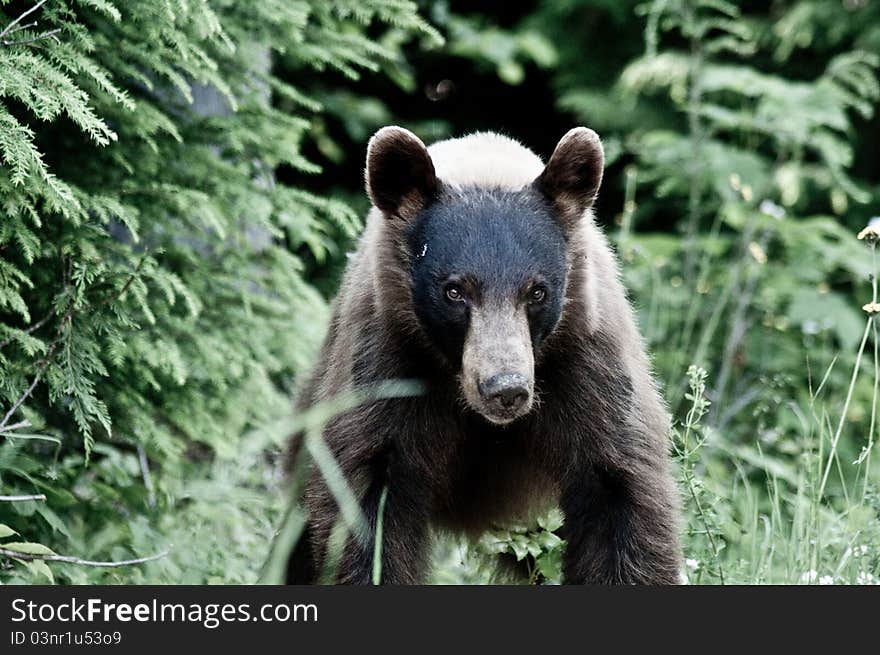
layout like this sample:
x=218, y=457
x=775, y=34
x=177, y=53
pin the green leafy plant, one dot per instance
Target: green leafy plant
x=153, y=306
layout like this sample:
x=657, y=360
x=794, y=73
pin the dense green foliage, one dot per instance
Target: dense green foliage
x=167, y=246
x=152, y=300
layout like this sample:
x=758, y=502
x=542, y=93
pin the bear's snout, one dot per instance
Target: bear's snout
x=498, y=364
x=506, y=393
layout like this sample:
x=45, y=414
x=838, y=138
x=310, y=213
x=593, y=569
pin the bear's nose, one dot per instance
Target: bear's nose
x=509, y=391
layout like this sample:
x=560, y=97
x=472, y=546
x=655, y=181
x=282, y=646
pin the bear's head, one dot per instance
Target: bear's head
x=487, y=266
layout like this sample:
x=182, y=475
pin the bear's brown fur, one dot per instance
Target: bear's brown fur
x=592, y=435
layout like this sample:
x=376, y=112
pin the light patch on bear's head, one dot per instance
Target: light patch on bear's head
x=485, y=160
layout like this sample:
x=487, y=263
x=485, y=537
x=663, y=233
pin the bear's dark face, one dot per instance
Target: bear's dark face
x=488, y=267
x=488, y=283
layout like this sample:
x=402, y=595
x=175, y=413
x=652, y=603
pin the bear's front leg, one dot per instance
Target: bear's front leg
x=620, y=524
x=404, y=538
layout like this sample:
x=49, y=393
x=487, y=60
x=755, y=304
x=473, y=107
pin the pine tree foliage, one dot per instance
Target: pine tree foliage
x=151, y=294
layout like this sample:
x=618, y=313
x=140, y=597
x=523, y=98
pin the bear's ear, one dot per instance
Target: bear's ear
x=400, y=174
x=572, y=177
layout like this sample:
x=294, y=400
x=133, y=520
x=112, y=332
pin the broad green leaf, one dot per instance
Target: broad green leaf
x=6, y=531
x=40, y=569
x=28, y=548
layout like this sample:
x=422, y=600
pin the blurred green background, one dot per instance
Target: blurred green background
x=180, y=181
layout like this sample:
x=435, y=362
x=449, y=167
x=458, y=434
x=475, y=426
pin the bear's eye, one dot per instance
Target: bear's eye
x=537, y=295
x=454, y=293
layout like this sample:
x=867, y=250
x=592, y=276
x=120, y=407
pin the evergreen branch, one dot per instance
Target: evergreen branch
x=15, y=426
x=8, y=28
x=128, y=282
x=10, y=499
x=69, y=559
x=43, y=363
x=41, y=368
x=39, y=37
x=23, y=27
x=33, y=328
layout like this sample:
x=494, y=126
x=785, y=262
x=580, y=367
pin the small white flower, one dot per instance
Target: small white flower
x=865, y=577
x=809, y=576
x=826, y=580
x=863, y=549
x=692, y=564
x=771, y=209
x=871, y=233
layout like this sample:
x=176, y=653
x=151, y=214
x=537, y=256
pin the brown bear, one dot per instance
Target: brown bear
x=482, y=274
